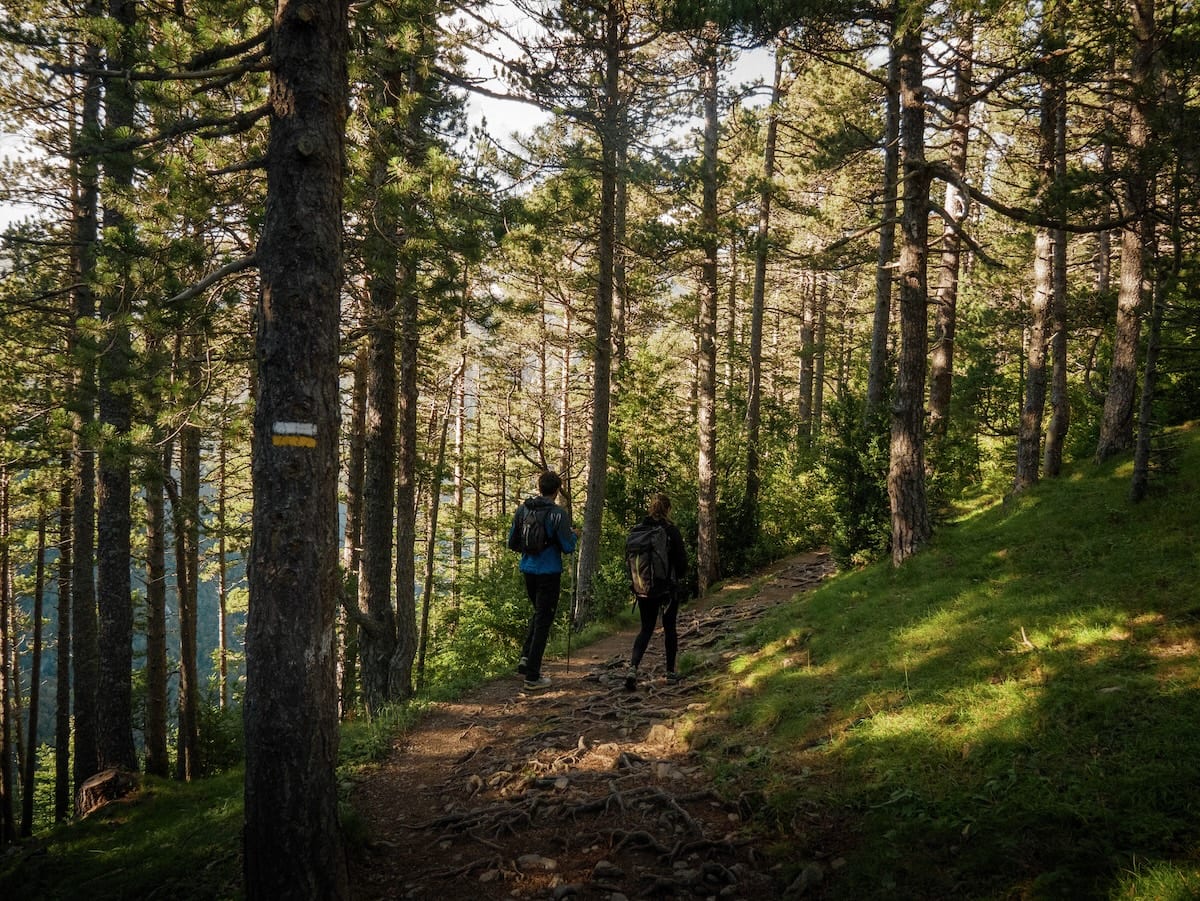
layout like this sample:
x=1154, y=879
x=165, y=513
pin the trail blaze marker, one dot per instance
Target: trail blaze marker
x=294, y=434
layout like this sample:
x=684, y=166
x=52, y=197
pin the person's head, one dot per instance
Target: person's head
x=549, y=483
x=660, y=506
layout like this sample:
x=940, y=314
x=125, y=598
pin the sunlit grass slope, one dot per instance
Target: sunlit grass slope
x=1015, y=713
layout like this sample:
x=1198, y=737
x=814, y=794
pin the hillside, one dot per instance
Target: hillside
x=1010, y=715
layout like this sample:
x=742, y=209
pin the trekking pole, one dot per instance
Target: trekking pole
x=571, y=609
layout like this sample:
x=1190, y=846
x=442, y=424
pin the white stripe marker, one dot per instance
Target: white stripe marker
x=294, y=434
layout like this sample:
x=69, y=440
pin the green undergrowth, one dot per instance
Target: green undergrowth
x=172, y=840
x=1011, y=714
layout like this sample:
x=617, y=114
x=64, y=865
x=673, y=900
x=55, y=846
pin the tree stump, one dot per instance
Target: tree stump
x=104, y=788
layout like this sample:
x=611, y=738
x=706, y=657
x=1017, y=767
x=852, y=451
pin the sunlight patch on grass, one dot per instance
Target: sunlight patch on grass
x=1158, y=880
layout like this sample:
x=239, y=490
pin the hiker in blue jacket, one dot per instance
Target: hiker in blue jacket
x=661, y=598
x=542, y=532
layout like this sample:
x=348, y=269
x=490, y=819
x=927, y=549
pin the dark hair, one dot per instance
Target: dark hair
x=660, y=506
x=549, y=483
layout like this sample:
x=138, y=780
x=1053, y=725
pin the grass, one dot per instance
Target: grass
x=177, y=841
x=1012, y=714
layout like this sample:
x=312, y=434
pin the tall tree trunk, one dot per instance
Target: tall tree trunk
x=292, y=846
x=114, y=695
x=957, y=205
x=35, y=679
x=157, y=760
x=1140, y=484
x=818, y=369
x=8, y=778
x=435, y=498
x=401, y=667
x=1029, y=432
x=1116, y=425
x=222, y=573
x=62, y=700
x=758, y=301
x=808, y=301
x=187, y=556
x=1102, y=261
x=1060, y=403
x=352, y=542
x=85, y=647
x=565, y=410
x=1049, y=300
x=621, y=299
x=477, y=493
x=611, y=134
x=707, y=559
x=377, y=638
x=460, y=450
x=911, y=527
x=880, y=323
x=731, y=317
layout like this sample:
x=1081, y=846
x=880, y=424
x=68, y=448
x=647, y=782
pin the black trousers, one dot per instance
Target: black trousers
x=543, y=589
x=649, y=608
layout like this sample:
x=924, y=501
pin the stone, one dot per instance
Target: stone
x=536, y=862
x=607, y=870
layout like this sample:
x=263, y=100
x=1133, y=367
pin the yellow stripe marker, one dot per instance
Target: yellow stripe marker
x=294, y=434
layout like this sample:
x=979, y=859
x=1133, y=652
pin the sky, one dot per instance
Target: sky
x=506, y=118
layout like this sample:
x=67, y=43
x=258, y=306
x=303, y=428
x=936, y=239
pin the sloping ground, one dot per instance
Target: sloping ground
x=583, y=791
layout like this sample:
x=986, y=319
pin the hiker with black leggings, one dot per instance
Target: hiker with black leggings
x=657, y=560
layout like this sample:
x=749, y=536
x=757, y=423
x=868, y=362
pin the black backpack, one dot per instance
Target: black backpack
x=647, y=560
x=532, y=535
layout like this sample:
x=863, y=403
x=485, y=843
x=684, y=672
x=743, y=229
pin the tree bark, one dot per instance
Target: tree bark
x=222, y=574
x=957, y=205
x=157, y=760
x=1116, y=424
x=377, y=643
x=435, y=498
x=808, y=301
x=62, y=705
x=880, y=323
x=85, y=647
x=611, y=134
x=1060, y=404
x=707, y=559
x=757, y=302
x=292, y=846
x=114, y=695
x=187, y=557
x=911, y=526
x=352, y=541
x=35, y=679
x=8, y=676
x=818, y=368
x=401, y=667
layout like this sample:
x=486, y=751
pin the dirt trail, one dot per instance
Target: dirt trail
x=582, y=791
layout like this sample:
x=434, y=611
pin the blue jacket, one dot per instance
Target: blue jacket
x=559, y=530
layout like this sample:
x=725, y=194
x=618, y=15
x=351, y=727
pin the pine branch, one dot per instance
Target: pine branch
x=212, y=278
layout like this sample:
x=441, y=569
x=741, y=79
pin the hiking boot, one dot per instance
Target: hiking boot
x=631, y=679
x=539, y=684
x=673, y=676
x=523, y=665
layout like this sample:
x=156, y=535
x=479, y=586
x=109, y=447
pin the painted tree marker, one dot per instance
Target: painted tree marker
x=294, y=434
